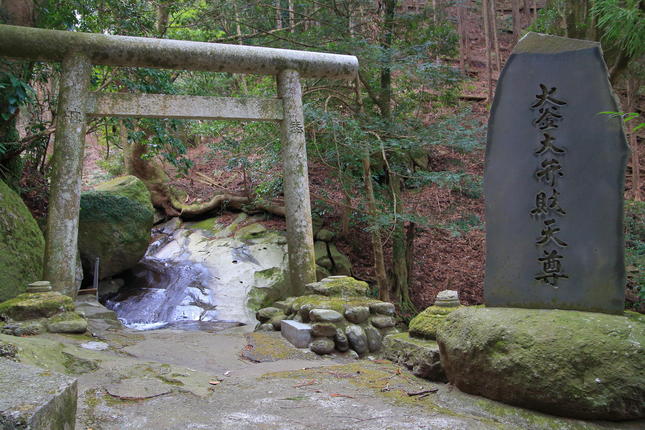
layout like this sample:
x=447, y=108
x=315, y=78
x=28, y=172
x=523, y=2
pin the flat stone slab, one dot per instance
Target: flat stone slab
x=33, y=398
x=419, y=355
x=138, y=389
x=299, y=334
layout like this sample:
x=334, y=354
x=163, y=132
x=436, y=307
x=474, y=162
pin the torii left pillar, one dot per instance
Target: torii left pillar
x=61, y=241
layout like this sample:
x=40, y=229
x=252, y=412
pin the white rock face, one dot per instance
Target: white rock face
x=221, y=272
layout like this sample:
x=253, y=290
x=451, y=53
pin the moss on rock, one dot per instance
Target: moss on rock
x=22, y=245
x=128, y=186
x=425, y=324
x=28, y=306
x=575, y=364
x=115, y=229
x=67, y=322
x=338, y=286
x=338, y=304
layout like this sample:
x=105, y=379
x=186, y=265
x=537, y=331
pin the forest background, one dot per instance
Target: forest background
x=396, y=156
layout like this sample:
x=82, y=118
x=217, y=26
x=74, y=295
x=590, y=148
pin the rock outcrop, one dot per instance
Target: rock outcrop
x=575, y=364
x=21, y=245
x=115, y=223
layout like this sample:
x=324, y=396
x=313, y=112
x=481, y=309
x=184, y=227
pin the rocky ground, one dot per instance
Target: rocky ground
x=236, y=379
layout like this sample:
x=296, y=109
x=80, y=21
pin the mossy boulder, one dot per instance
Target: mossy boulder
x=114, y=227
x=338, y=286
x=28, y=306
x=419, y=355
x=575, y=364
x=128, y=186
x=67, y=322
x=425, y=324
x=338, y=304
x=22, y=245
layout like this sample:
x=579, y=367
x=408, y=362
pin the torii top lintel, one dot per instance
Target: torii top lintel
x=54, y=45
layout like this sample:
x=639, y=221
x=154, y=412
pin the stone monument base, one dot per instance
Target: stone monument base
x=573, y=364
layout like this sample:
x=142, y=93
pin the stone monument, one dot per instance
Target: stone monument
x=553, y=182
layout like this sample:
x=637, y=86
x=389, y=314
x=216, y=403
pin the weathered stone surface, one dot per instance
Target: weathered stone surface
x=21, y=245
x=67, y=322
x=276, y=320
x=266, y=327
x=343, y=286
x=323, y=330
x=265, y=314
x=138, y=388
x=575, y=364
x=39, y=287
x=114, y=228
x=325, y=235
x=554, y=181
x=342, y=265
x=109, y=288
x=325, y=315
x=425, y=324
x=322, y=346
x=374, y=339
x=131, y=187
x=357, y=338
x=383, y=321
x=34, y=399
x=299, y=334
x=420, y=356
x=357, y=314
x=341, y=341
x=24, y=328
x=251, y=231
x=38, y=305
x=447, y=299
x=383, y=308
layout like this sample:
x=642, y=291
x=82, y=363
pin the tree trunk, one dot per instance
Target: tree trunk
x=240, y=78
x=526, y=11
x=493, y=28
x=463, y=36
x=278, y=15
x=489, y=60
x=632, y=94
x=377, y=246
x=162, y=18
x=517, y=20
x=292, y=16
x=385, y=99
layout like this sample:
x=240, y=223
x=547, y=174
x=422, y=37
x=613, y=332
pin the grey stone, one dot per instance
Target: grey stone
x=322, y=255
x=67, y=322
x=357, y=314
x=325, y=235
x=39, y=287
x=304, y=312
x=553, y=181
x=276, y=320
x=419, y=355
x=322, y=346
x=357, y=338
x=341, y=341
x=325, y=315
x=24, y=328
x=265, y=314
x=383, y=322
x=323, y=330
x=383, y=308
x=298, y=334
x=447, y=299
x=342, y=265
x=95, y=346
x=138, y=388
x=265, y=327
x=284, y=306
x=109, y=287
x=374, y=338
x=34, y=399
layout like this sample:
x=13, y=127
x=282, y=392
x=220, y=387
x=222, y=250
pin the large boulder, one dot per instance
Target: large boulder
x=21, y=245
x=575, y=364
x=115, y=223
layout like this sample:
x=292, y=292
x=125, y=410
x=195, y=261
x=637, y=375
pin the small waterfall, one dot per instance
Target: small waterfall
x=166, y=293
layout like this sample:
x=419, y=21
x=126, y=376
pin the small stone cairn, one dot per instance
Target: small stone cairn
x=39, y=310
x=424, y=325
x=335, y=315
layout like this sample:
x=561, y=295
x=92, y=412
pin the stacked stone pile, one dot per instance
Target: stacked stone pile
x=335, y=315
x=40, y=310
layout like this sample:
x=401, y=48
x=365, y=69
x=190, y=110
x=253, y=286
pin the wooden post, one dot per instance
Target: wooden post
x=300, y=238
x=67, y=166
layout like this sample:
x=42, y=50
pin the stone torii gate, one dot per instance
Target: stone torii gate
x=79, y=51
